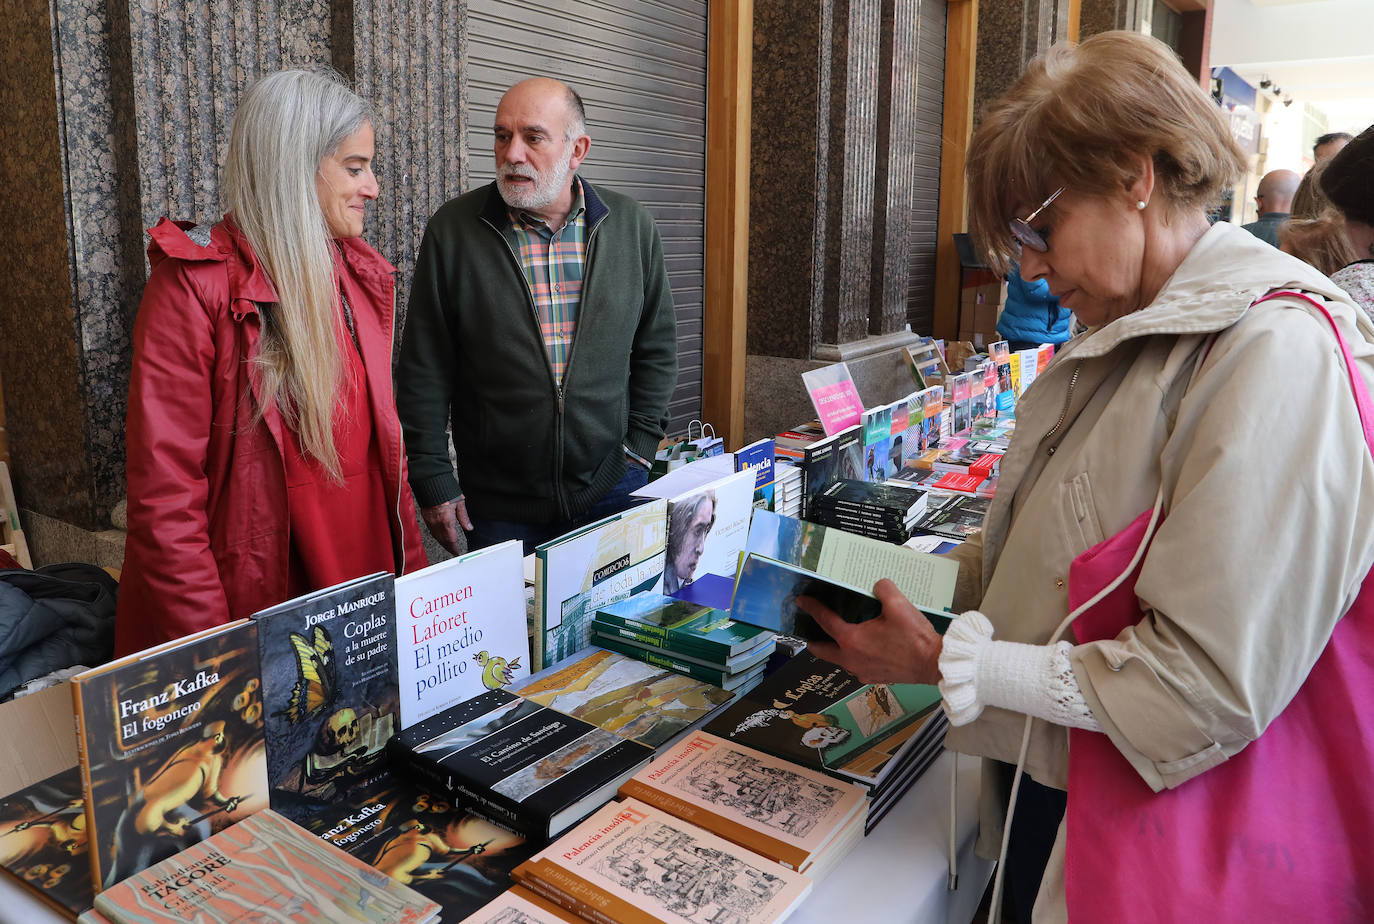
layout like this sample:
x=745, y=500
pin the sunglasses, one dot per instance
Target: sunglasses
x=1028, y=236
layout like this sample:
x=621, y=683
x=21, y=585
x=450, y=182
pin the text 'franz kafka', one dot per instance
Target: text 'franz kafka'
x=152, y=713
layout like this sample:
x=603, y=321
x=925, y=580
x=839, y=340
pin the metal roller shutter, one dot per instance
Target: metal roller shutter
x=640, y=67
x=925, y=198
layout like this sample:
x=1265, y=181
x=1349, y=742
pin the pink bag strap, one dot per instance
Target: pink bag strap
x=1363, y=404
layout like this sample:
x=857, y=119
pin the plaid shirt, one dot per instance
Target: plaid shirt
x=553, y=262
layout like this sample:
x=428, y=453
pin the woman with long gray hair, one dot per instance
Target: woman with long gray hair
x=264, y=453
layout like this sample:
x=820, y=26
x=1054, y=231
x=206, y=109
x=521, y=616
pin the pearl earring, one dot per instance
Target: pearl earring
x=1140, y=205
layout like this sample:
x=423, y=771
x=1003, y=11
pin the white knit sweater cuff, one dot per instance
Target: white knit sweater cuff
x=1037, y=680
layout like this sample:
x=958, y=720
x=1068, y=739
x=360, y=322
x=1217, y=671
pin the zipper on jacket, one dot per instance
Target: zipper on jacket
x=1064, y=413
x=559, y=499
x=400, y=438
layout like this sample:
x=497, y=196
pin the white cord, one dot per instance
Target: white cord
x=995, y=912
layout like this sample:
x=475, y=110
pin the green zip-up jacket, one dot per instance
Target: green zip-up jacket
x=528, y=450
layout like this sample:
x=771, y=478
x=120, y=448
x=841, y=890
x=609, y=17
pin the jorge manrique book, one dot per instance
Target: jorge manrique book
x=330, y=699
x=171, y=748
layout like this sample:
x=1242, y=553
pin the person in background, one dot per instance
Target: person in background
x=1329, y=145
x=1346, y=181
x=1123, y=637
x=541, y=329
x=264, y=453
x=1274, y=197
x=1032, y=315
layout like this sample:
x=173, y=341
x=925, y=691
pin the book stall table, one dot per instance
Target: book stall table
x=897, y=875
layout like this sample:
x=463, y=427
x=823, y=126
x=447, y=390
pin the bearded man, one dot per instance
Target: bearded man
x=541, y=327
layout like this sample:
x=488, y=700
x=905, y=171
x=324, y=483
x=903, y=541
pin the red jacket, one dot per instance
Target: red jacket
x=208, y=525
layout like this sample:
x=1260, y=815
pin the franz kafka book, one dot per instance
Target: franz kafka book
x=426, y=840
x=43, y=841
x=518, y=763
x=329, y=690
x=170, y=744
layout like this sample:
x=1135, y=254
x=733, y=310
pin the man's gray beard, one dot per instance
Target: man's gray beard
x=546, y=189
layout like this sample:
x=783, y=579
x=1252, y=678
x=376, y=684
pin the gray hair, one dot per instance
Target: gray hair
x=577, y=116
x=285, y=126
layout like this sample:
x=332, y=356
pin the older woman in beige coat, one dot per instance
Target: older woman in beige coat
x=1235, y=415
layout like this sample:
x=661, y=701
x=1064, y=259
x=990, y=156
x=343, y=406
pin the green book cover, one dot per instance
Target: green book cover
x=723, y=679
x=683, y=626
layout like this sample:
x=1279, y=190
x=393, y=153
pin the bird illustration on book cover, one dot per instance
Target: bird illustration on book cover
x=174, y=750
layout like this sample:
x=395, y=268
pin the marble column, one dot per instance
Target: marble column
x=815, y=100
x=1010, y=34
x=1096, y=16
x=895, y=172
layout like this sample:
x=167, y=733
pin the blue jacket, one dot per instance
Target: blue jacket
x=1032, y=313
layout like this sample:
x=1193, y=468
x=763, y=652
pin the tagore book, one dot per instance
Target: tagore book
x=264, y=868
x=631, y=863
x=171, y=747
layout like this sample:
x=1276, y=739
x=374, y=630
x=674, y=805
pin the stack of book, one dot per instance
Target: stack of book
x=689, y=638
x=805, y=820
x=879, y=511
x=823, y=460
x=952, y=516
x=633, y=862
x=787, y=488
x=881, y=736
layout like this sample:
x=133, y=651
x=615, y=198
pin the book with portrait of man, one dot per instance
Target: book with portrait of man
x=708, y=524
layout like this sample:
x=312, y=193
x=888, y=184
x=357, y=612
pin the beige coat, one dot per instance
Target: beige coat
x=1268, y=491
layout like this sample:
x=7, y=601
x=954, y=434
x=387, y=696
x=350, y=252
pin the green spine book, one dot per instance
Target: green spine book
x=739, y=663
x=679, y=625
x=726, y=681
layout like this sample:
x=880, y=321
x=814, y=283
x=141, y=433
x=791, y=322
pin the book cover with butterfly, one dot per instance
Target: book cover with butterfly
x=170, y=745
x=330, y=696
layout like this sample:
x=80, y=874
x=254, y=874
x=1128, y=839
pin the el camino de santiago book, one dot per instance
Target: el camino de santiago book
x=43, y=841
x=631, y=863
x=518, y=763
x=263, y=869
x=330, y=703
x=461, y=630
x=170, y=743
x=426, y=840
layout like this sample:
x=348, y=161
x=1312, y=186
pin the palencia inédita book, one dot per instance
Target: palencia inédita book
x=330, y=703
x=43, y=841
x=265, y=868
x=426, y=840
x=632, y=863
x=518, y=763
x=461, y=630
x=171, y=747
x=774, y=807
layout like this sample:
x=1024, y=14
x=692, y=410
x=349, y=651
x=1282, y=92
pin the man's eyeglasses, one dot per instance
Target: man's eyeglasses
x=1028, y=236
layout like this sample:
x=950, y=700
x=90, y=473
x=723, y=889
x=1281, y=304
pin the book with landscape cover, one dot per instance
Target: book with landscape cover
x=725, y=678
x=43, y=841
x=624, y=695
x=426, y=840
x=521, y=764
x=767, y=591
x=689, y=628
x=171, y=747
x=329, y=696
x=932, y=414
x=759, y=457
x=926, y=580
x=609, y=560
x=461, y=629
x=955, y=516
x=774, y=807
x=819, y=715
x=264, y=868
x=631, y=863
x=877, y=430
